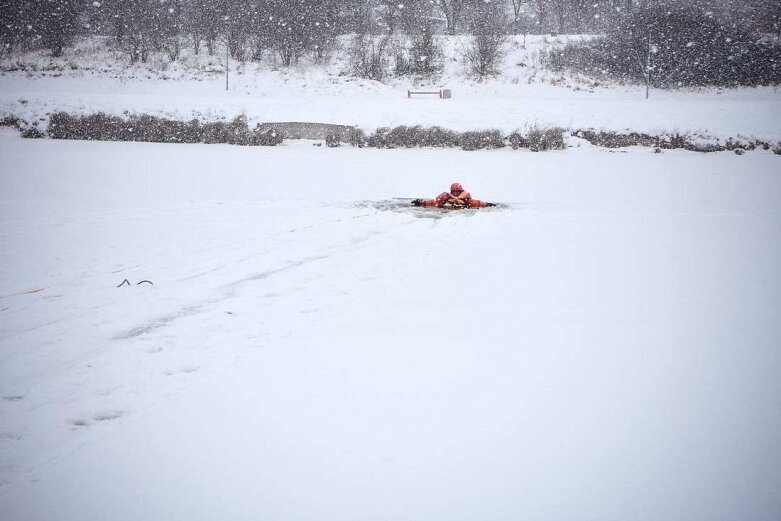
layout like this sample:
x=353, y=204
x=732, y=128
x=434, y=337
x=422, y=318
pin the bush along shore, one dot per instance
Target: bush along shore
x=537, y=138
x=153, y=129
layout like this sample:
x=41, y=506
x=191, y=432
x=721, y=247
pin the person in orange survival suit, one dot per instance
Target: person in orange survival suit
x=456, y=197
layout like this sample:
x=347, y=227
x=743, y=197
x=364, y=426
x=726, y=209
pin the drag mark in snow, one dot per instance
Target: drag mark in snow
x=201, y=274
x=28, y=292
x=108, y=415
x=195, y=309
x=125, y=269
x=158, y=323
x=102, y=416
x=265, y=274
x=229, y=289
x=183, y=370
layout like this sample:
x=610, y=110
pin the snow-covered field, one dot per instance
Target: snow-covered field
x=93, y=78
x=603, y=346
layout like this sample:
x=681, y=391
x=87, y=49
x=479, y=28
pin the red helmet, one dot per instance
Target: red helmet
x=456, y=187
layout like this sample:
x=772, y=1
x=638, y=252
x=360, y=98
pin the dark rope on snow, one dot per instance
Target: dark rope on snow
x=137, y=283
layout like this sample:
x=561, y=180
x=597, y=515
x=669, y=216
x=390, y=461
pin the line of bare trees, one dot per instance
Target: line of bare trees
x=248, y=28
x=292, y=28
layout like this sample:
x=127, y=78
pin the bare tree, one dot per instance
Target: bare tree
x=517, y=4
x=138, y=26
x=541, y=9
x=323, y=28
x=523, y=20
x=390, y=13
x=416, y=16
x=525, y=23
x=570, y=15
x=261, y=22
x=10, y=25
x=423, y=57
x=238, y=26
x=369, y=56
x=489, y=41
x=193, y=26
x=358, y=16
x=560, y=10
x=49, y=24
x=451, y=9
x=646, y=63
x=205, y=19
x=300, y=26
x=172, y=27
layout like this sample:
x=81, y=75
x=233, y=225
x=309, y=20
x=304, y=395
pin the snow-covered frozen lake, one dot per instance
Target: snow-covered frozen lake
x=604, y=346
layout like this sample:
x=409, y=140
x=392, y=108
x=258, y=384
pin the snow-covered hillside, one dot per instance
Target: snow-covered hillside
x=92, y=78
x=605, y=345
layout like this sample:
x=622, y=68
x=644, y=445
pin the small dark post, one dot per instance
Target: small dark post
x=227, y=61
x=648, y=67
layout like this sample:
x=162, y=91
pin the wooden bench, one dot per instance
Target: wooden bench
x=442, y=93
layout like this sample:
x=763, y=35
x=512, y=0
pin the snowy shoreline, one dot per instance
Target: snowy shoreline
x=148, y=128
x=93, y=78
